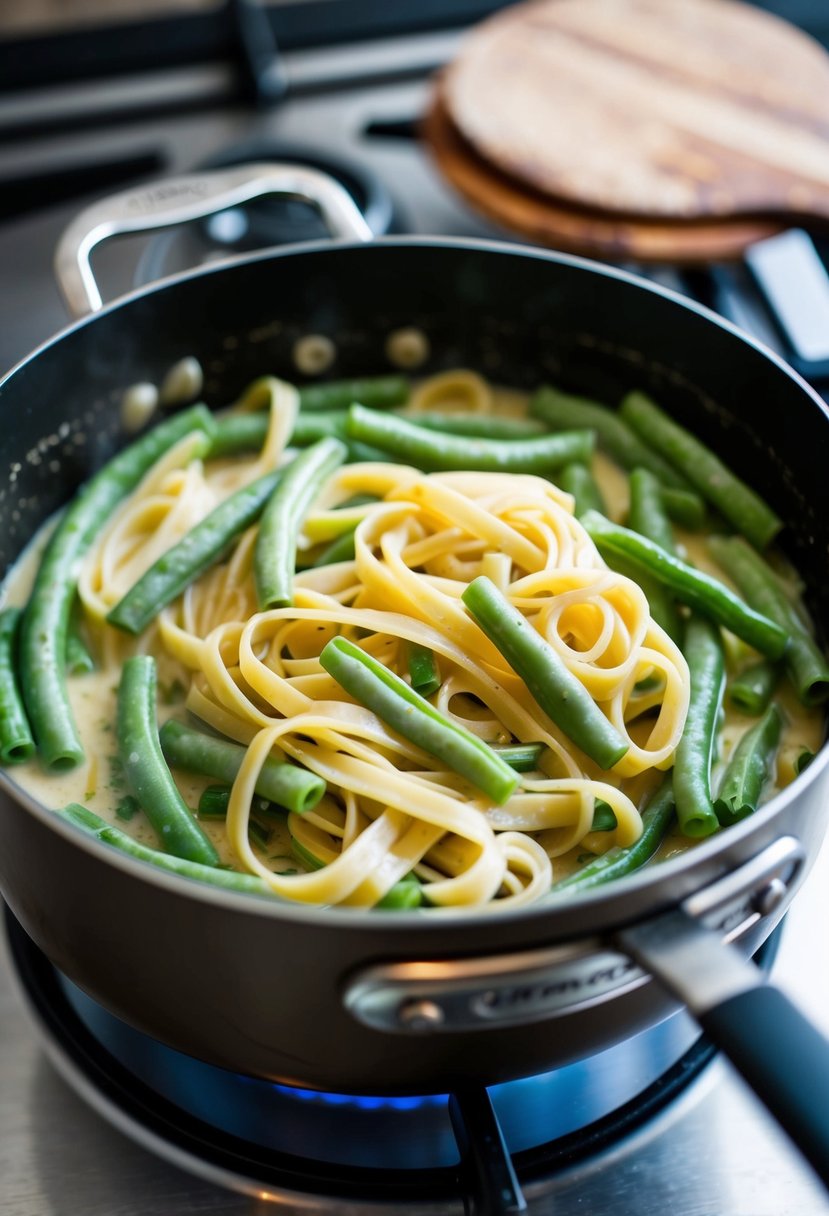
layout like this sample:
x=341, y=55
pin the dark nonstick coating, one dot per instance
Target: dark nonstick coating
x=256, y=986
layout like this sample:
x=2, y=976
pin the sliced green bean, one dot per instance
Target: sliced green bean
x=377, y=392
x=341, y=549
x=752, y=689
x=563, y=411
x=604, y=818
x=685, y=508
x=274, y=555
x=698, y=590
x=483, y=426
x=806, y=665
x=213, y=802
x=736, y=501
x=16, y=742
x=696, y=749
x=406, y=893
x=803, y=760
x=577, y=479
x=748, y=768
x=430, y=450
x=46, y=618
x=423, y=669
x=79, y=662
x=259, y=833
x=523, y=757
x=394, y=702
x=197, y=551
x=237, y=433
x=107, y=833
x=562, y=697
x=148, y=778
x=287, y=784
x=647, y=514
x=616, y=862
x=648, y=517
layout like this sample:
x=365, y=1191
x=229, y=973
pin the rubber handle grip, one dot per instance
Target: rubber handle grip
x=784, y=1059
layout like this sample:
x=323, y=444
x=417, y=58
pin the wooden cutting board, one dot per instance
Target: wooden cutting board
x=676, y=108
x=665, y=111
x=588, y=232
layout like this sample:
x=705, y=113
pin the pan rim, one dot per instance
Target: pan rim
x=432, y=919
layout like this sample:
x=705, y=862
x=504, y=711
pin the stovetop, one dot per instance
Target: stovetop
x=716, y=1152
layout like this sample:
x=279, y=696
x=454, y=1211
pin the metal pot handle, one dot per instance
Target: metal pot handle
x=193, y=197
x=688, y=949
x=778, y=1051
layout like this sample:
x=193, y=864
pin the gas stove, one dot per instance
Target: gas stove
x=676, y=1130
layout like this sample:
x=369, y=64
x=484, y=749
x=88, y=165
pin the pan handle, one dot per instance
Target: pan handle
x=181, y=199
x=781, y=1055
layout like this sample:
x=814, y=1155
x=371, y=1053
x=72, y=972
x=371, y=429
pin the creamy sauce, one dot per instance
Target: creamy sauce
x=98, y=782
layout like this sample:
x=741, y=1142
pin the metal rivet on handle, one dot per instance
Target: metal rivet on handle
x=420, y=1015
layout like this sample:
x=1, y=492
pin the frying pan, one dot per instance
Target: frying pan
x=381, y=1002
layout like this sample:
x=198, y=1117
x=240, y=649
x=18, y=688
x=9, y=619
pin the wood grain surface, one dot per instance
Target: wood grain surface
x=538, y=218
x=662, y=109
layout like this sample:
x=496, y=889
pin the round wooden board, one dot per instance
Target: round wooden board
x=573, y=230
x=659, y=109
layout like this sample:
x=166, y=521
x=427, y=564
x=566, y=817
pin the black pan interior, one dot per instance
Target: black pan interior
x=520, y=318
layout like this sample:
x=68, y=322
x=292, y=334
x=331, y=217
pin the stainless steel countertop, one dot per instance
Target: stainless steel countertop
x=716, y=1154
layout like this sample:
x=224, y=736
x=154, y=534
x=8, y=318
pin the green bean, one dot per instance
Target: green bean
x=706, y=472
x=698, y=590
x=237, y=433
x=695, y=752
x=274, y=554
x=407, y=893
x=16, y=742
x=564, y=411
x=752, y=689
x=483, y=426
x=394, y=702
x=648, y=517
x=523, y=757
x=213, y=802
x=107, y=833
x=79, y=662
x=748, y=768
x=684, y=507
x=430, y=450
x=286, y=784
x=807, y=667
x=215, y=799
x=647, y=514
x=46, y=618
x=341, y=549
x=147, y=776
x=616, y=862
x=576, y=479
x=604, y=818
x=561, y=696
x=258, y=833
x=197, y=551
x=377, y=392
x=804, y=759
x=423, y=669
x=327, y=424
